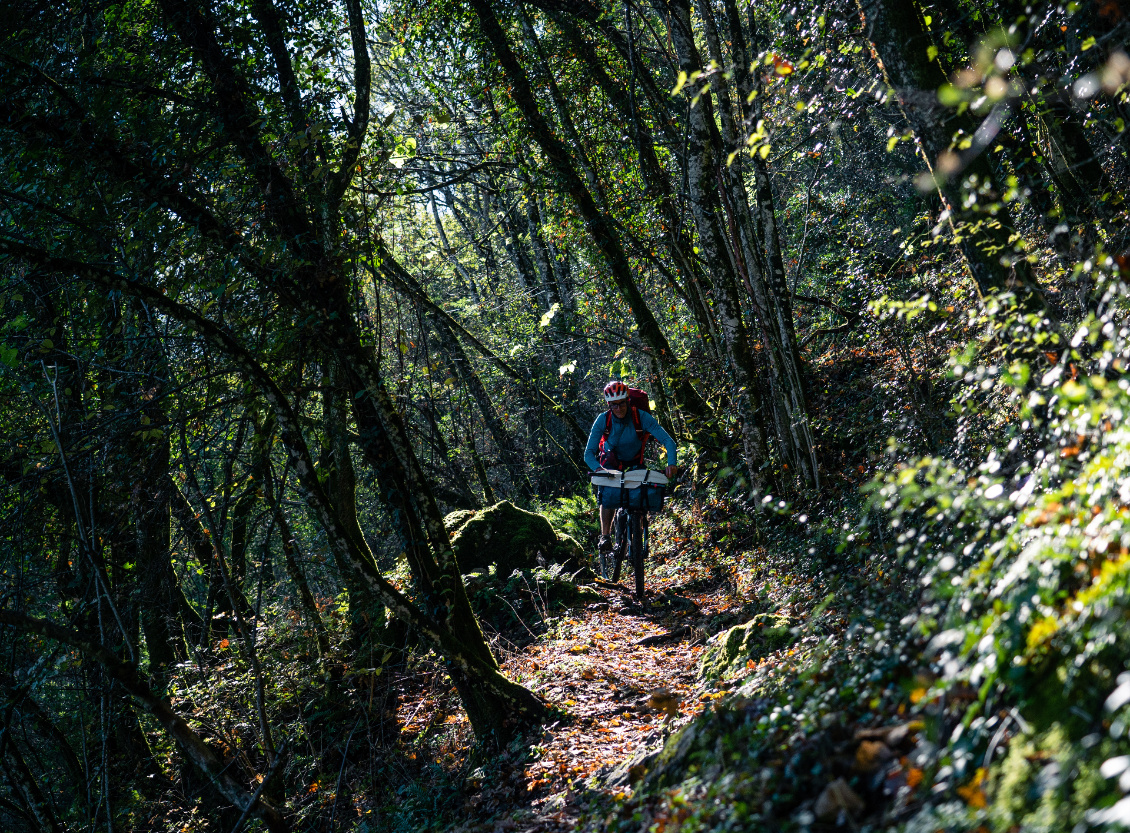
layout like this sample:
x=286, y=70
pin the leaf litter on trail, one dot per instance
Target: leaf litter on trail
x=627, y=678
x=616, y=691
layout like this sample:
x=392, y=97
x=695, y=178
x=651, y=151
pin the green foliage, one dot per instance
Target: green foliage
x=576, y=516
x=1021, y=554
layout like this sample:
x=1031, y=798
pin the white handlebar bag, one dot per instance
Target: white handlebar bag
x=636, y=489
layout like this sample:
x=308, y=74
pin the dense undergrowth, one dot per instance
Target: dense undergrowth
x=977, y=610
x=936, y=645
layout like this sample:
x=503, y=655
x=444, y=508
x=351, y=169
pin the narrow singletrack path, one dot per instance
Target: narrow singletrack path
x=626, y=675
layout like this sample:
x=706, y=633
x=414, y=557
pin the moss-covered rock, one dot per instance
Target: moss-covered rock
x=510, y=539
x=518, y=603
x=729, y=650
x=454, y=521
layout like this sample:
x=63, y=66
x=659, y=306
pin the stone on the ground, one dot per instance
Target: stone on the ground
x=510, y=539
x=837, y=798
x=731, y=650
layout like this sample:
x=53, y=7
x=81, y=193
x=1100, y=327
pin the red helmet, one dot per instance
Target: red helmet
x=615, y=391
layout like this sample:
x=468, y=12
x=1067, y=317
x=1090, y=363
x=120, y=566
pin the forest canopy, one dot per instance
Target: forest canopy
x=301, y=300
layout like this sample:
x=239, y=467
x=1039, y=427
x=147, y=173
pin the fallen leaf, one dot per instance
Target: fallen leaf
x=972, y=793
x=870, y=755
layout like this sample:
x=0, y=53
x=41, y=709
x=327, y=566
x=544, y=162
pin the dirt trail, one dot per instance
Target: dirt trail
x=627, y=677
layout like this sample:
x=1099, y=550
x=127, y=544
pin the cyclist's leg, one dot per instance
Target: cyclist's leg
x=606, y=514
x=604, y=561
x=604, y=546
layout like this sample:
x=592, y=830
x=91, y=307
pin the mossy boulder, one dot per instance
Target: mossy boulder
x=516, y=605
x=510, y=539
x=455, y=521
x=760, y=636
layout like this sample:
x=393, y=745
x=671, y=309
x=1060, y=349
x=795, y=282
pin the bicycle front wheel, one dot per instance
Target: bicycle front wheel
x=620, y=548
x=638, y=548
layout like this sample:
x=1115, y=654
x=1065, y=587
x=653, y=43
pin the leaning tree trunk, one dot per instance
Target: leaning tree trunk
x=1072, y=163
x=696, y=287
x=495, y=706
x=600, y=226
x=774, y=300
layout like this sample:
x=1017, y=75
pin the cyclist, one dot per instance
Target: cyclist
x=621, y=446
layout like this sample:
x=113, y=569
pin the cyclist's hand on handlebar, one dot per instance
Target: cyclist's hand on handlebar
x=671, y=472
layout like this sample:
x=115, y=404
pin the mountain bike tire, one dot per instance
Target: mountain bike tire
x=637, y=545
x=620, y=529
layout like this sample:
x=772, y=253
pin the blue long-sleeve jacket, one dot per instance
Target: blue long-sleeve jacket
x=622, y=437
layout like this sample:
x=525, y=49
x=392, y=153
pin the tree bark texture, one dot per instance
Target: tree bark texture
x=703, y=175
x=599, y=225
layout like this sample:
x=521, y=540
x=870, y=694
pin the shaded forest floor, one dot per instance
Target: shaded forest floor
x=789, y=671
x=626, y=678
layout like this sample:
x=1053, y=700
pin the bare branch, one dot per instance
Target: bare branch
x=128, y=676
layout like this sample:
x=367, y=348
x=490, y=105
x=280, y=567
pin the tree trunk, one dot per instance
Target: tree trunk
x=495, y=706
x=702, y=180
x=26, y=786
x=365, y=611
x=158, y=592
x=599, y=226
x=562, y=111
x=1072, y=163
x=695, y=282
x=773, y=301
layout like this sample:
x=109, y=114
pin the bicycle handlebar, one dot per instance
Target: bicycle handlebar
x=628, y=479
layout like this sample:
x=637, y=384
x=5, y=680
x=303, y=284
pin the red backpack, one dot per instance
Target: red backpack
x=637, y=401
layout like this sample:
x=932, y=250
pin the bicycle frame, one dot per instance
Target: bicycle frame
x=631, y=535
x=635, y=525
x=629, y=526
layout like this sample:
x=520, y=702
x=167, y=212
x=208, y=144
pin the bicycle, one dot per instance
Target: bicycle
x=635, y=493
x=630, y=529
